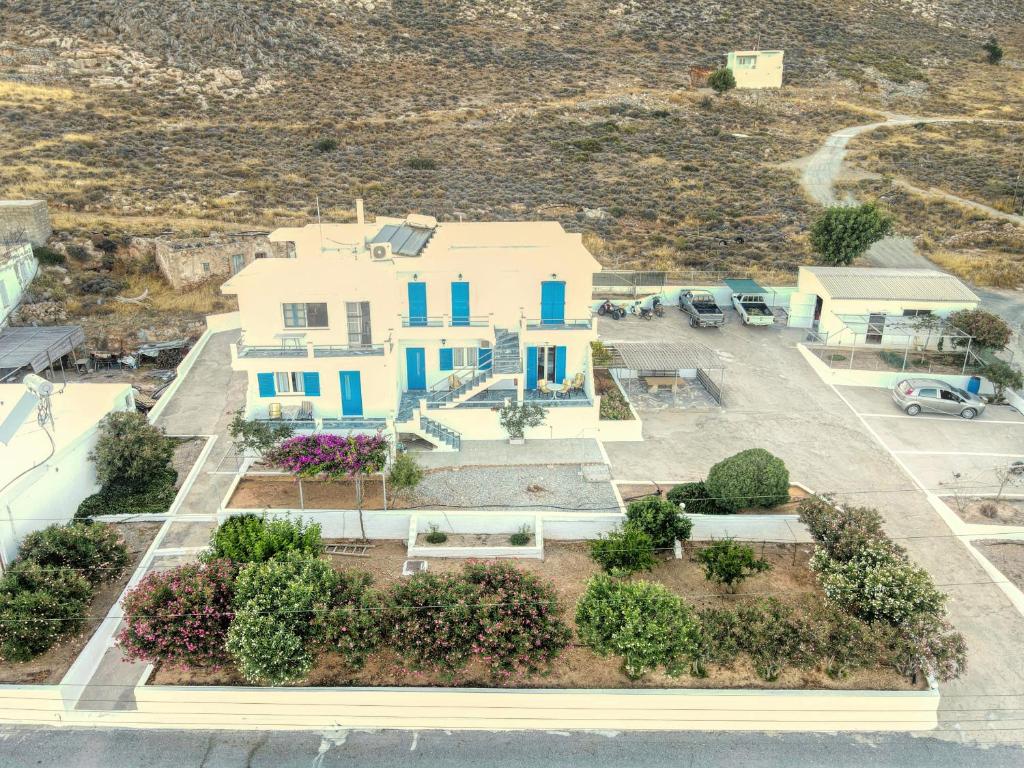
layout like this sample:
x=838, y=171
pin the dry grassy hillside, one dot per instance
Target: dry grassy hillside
x=149, y=114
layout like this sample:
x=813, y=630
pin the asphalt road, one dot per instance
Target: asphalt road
x=40, y=748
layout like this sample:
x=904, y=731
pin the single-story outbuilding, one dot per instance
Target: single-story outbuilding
x=873, y=305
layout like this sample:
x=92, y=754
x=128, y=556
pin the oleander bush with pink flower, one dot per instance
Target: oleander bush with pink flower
x=181, y=617
x=507, y=618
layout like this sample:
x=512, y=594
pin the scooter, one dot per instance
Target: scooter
x=616, y=312
x=642, y=312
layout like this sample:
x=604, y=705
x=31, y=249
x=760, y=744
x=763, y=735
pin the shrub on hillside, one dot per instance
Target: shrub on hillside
x=841, y=531
x=751, y=478
x=730, y=563
x=48, y=256
x=878, y=584
x=277, y=626
x=95, y=550
x=180, y=616
x=644, y=623
x=660, y=519
x=721, y=80
x=256, y=539
x=130, y=450
x=623, y=551
x=697, y=499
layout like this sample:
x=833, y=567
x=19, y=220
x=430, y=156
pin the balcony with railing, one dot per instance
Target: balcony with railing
x=447, y=325
x=250, y=351
x=561, y=324
x=305, y=350
x=347, y=350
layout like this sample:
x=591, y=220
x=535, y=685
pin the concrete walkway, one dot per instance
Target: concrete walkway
x=204, y=405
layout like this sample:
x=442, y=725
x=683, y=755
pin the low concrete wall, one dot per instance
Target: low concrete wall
x=214, y=324
x=530, y=709
x=31, y=704
x=846, y=377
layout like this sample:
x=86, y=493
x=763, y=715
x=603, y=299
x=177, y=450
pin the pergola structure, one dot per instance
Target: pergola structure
x=31, y=348
x=671, y=361
x=903, y=336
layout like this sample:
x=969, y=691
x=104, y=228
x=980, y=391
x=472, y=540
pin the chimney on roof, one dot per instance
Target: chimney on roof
x=359, y=211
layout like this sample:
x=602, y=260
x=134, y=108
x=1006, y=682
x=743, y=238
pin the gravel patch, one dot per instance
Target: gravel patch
x=560, y=487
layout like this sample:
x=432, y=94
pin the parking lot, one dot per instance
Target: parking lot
x=932, y=448
x=854, y=442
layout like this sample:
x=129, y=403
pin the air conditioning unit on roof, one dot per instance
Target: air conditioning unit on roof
x=380, y=251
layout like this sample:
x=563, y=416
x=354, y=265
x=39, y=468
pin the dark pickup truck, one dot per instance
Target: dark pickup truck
x=702, y=308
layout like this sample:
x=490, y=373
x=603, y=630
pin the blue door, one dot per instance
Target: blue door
x=552, y=302
x=531, y=367
x=416, y=367
x=559, y=365
x=417, y=304
x=351, y=393
x=460, y=303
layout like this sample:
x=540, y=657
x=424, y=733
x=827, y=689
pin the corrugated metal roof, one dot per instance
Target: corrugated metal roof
x=892, y=284
x=666, y=356
x=37, y=347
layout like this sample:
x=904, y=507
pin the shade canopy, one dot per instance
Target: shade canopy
x=37, y=348
x=744, y=285
x=667, y=356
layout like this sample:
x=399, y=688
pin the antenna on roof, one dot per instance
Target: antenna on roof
x=320, y=222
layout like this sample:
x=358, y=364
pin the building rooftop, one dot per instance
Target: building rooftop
x=891, y=284
x=75, y=407
x=36, y=347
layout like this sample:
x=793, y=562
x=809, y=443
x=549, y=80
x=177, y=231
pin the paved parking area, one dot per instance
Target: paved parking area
x=934, y=447
x=838, y=440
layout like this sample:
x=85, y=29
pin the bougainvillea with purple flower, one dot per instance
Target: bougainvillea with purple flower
x=180, y=617
x=331, y=455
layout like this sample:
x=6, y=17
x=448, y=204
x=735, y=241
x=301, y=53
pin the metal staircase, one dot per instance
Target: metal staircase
x=448, y=436
x=506, y=352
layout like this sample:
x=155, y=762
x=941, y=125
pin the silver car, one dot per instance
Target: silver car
x=915, y=396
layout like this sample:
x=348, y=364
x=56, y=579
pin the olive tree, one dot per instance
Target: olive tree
x=842, y=233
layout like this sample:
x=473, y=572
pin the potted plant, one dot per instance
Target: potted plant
x=516, y=417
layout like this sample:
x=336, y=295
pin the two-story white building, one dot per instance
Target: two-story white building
x=420, y=327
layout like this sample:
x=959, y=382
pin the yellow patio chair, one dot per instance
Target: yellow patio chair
x=274, y=411
x=577, y=382
x=565, y=390
x=453, y=381
x=542, y=386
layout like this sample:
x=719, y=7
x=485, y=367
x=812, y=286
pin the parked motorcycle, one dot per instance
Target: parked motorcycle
x=615, y=311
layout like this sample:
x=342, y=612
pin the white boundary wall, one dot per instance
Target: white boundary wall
x=501, y=525
x=533, y=709
x=846, y=377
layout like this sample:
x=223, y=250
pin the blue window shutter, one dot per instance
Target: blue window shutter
x=531, y=367
x=266, y=384
x=559, y=365
x=311, y=382
x=447, y=359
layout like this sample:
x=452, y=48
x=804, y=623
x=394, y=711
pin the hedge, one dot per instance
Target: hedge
x=751, y=478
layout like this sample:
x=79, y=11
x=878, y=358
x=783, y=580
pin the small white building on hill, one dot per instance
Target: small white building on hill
x=18, y=267
x=44, y=469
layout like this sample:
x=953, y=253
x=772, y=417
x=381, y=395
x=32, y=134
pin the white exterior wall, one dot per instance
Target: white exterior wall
x=18, y=267
x=504, y=264
x=835, y=329
x=51, y=493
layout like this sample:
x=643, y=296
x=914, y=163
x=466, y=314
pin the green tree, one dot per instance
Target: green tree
x=516, y=418
x=257, y=436
x=722, y=80
x=660, y=519
x=986, y=329
x=405, y=474
x=994, y=50
x=729, y=563
x=1003, y=376
x=252, y=539
x=842, y=233
x=130, y=451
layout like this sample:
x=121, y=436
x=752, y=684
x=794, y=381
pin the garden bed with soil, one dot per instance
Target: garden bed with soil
x=50, y=667
x=614, y=404
x=472, y=540
x=569, y=566
x=988, y=511
x=1007, y=556
x=634, y=491
x=263, y=492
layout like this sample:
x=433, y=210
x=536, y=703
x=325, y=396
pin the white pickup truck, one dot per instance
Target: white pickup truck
x=750, y=301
